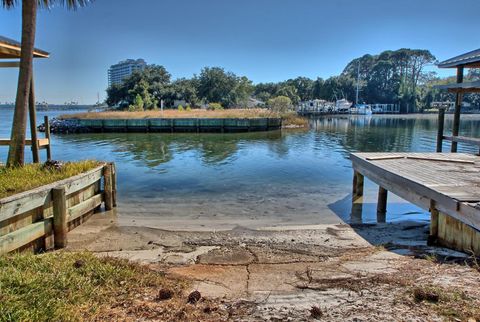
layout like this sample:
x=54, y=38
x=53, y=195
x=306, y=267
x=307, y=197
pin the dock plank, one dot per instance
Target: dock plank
x=452, y=180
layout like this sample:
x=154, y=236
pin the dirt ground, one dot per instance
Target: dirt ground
x=381, y=272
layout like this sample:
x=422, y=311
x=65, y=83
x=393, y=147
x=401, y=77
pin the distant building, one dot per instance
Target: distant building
x=118, y=72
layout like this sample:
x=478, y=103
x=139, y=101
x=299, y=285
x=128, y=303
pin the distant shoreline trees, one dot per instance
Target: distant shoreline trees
x=391, y=77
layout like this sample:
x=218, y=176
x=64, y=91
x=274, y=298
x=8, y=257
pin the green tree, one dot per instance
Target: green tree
x=216, y=85
x=152, y=84
x=280, y=104
x=16, y=152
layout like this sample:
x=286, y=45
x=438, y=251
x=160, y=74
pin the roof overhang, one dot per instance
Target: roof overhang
x=467, y=60
x=471, y=87
x=11, y=49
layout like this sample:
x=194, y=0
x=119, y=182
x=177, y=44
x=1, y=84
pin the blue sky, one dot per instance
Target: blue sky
x=266, y=40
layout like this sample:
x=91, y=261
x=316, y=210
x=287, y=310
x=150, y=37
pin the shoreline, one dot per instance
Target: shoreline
x=348, y=271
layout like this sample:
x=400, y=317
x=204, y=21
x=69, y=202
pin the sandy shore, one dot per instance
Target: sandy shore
x=350, y=272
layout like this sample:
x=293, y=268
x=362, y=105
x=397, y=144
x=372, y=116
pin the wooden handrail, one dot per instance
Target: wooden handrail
x=41, y=142
x=463, y=139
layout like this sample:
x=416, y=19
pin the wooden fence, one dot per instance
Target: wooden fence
x=38, y=145
x=39, y=219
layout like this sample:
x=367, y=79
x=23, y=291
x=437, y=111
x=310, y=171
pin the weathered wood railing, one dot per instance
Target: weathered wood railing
x=453, y=138
x=39, y=219
x=38, y=145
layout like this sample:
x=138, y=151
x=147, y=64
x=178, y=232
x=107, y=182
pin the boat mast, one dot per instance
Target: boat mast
x=358, y=83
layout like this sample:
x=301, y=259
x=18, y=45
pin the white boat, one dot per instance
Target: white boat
x=342, y=106
x=362, y=109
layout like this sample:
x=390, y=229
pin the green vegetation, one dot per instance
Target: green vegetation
x=397, y=77
x=215, y=107
x=65, y=286
x=153, y=84
x=17, y=179
x=180, y=108
x=280, y=104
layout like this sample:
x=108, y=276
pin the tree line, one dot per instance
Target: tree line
x=391, y=77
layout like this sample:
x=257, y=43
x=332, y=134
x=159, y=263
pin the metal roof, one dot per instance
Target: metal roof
x=10, y=48
x=461, y=87
x=470, y=59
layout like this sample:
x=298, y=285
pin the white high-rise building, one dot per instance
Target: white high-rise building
x=118, y=72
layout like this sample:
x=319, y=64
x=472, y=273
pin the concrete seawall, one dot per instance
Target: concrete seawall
x=172, y=125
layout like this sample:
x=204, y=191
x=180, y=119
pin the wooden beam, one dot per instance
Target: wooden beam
x=463, y=139
x=47, y=136
x=84, y=207
x=60, y=221
x=108, y=186
x=441, y=124
x=458, y=107
x=32, y=115
x=9, y=64
x=25, y=235
x=40, y=142
x=382, y=202
x=433, y=236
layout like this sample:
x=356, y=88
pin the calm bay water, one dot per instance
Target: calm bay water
x=249, y=179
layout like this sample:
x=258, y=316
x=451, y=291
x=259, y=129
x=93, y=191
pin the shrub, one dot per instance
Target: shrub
x=180, y=108
x=188, y=108
x=139, y=104
x=214, y=107
x=280, y=104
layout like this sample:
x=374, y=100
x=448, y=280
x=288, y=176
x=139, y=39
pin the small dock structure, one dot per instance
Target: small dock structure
x=10, y=52
x=445, y=184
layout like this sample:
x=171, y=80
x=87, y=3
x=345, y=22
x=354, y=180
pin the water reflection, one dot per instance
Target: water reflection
x=258, y=178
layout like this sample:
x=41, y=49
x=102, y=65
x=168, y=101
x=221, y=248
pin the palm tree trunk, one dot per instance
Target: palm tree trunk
x=16, y=152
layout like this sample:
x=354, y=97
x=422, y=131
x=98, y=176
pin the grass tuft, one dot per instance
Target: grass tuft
x=19, y=179
x=53, y=287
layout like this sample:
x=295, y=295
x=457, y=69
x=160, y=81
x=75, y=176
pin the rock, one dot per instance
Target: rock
x=194, y=297
x=60, y=126
x=53, y=165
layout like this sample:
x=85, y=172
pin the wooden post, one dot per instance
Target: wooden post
x=114, y=184
x=382, y=204
x=458, y=107
x=108, y=187
x=357, y=185
x=432, y=238
x=60, y=221
x=47, y=135
x=357, y=200
x=33, y=123
x=441, y=124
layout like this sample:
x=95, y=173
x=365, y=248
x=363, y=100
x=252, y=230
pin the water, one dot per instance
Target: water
x=215, y=181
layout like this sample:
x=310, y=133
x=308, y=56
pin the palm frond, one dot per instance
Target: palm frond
x=69, y=4
x=9, y=3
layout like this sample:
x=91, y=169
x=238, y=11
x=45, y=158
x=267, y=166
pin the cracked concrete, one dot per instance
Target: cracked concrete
x=350, y=271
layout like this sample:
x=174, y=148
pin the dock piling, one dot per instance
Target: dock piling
x=432, y=238
x=382, y=204
x=441, y=124
x=108, y=186
x=47, y=136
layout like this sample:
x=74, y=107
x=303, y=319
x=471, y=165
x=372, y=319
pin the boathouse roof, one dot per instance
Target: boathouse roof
x=10, y=48
x=461, y=87
x=468, y=60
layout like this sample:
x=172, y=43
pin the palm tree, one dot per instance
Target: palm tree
x=16, y=152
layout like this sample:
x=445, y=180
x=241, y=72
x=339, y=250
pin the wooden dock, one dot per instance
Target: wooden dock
x=446, y=184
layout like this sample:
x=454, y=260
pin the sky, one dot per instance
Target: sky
x=265, y=40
